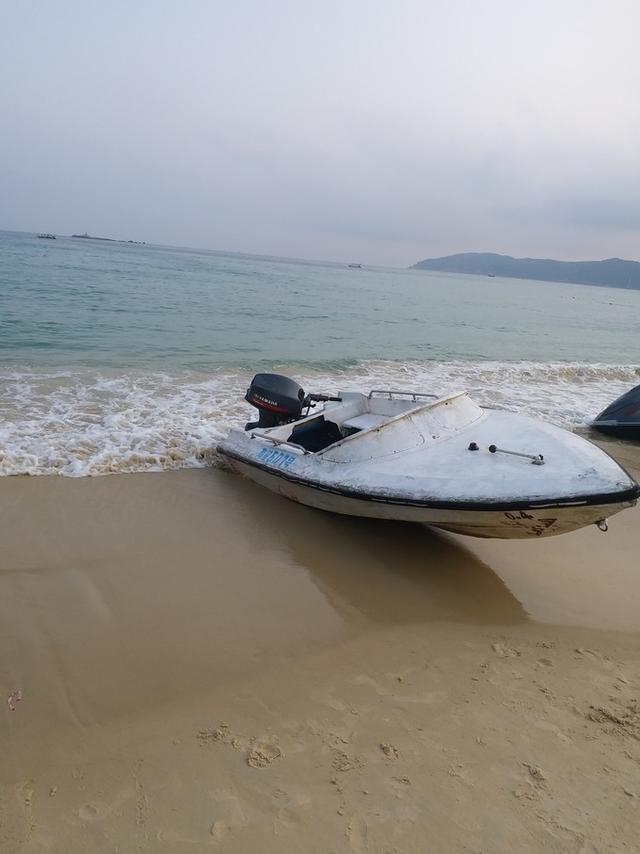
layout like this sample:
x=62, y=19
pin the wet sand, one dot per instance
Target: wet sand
x=203, y=666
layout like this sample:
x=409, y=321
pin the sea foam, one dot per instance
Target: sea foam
x=88, y=422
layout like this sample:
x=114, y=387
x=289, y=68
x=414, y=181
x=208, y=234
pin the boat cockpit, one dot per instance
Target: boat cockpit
x=280, y=403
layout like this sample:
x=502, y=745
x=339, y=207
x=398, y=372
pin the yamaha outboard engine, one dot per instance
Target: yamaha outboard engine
x=278, y=400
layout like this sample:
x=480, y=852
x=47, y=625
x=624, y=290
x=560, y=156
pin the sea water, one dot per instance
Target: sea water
x=125, y=357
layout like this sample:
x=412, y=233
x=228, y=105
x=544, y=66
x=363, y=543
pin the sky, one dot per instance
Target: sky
x=376, y=132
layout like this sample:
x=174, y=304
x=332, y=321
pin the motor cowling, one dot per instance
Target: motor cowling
x=277, y=398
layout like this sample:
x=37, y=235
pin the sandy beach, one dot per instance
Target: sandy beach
x=189, y=663
x=397, y=246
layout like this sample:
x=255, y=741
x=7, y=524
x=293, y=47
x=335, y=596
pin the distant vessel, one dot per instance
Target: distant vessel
x=47, y=236
x=491, y=275
x=355, y=266
x=87, y=236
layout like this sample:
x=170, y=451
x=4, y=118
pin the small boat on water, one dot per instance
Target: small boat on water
x=47, y=236
x=442, y=461
x=622, y=417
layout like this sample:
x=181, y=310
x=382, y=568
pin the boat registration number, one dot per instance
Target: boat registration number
x=279, y=459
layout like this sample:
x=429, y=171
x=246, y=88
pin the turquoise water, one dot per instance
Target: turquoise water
x=72, y=302
x=121, y=357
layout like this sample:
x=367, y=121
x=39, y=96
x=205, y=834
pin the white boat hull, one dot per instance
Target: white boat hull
x=446, y=463
x=501, y=524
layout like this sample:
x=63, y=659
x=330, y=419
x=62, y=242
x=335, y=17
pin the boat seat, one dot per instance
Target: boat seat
x=315, y=435
x=364, y=421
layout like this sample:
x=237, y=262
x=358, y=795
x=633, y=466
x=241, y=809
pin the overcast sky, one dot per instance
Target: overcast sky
x=379, y=132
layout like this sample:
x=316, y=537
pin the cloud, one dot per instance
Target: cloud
x=340, y=131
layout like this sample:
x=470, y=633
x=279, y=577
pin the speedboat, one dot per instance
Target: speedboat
x=622, y=417
x=442, y=461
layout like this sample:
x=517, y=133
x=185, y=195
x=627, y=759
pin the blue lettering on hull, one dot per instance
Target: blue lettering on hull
x=276, y=458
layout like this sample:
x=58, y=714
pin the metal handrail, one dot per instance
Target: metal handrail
x=391, y=392
x=277, y=441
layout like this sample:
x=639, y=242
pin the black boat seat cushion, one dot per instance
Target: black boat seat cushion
x=315, y=435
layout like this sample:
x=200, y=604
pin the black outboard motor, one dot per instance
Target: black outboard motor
x=278, y=400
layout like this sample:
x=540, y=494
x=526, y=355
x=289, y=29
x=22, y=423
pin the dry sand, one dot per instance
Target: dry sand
x=188, y=663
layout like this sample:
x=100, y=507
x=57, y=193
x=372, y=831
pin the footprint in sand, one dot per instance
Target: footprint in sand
x=533, y=786
x=100, y=809
x=390, y=751
x=262, y=754
x=379, y=689
x=505, y=651
x=229, y=817
x=536, y=773
x=550, y=727
x=25, y=792
x=291, y=810
x=88, y=812
x=327, y=698
x=358, y=834
x=401, y=786
x=343, y=762
x=231, y=814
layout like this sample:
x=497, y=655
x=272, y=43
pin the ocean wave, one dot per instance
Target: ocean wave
x=86, y=422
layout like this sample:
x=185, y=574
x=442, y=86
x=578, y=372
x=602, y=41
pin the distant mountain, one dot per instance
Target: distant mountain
x=612, y=273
